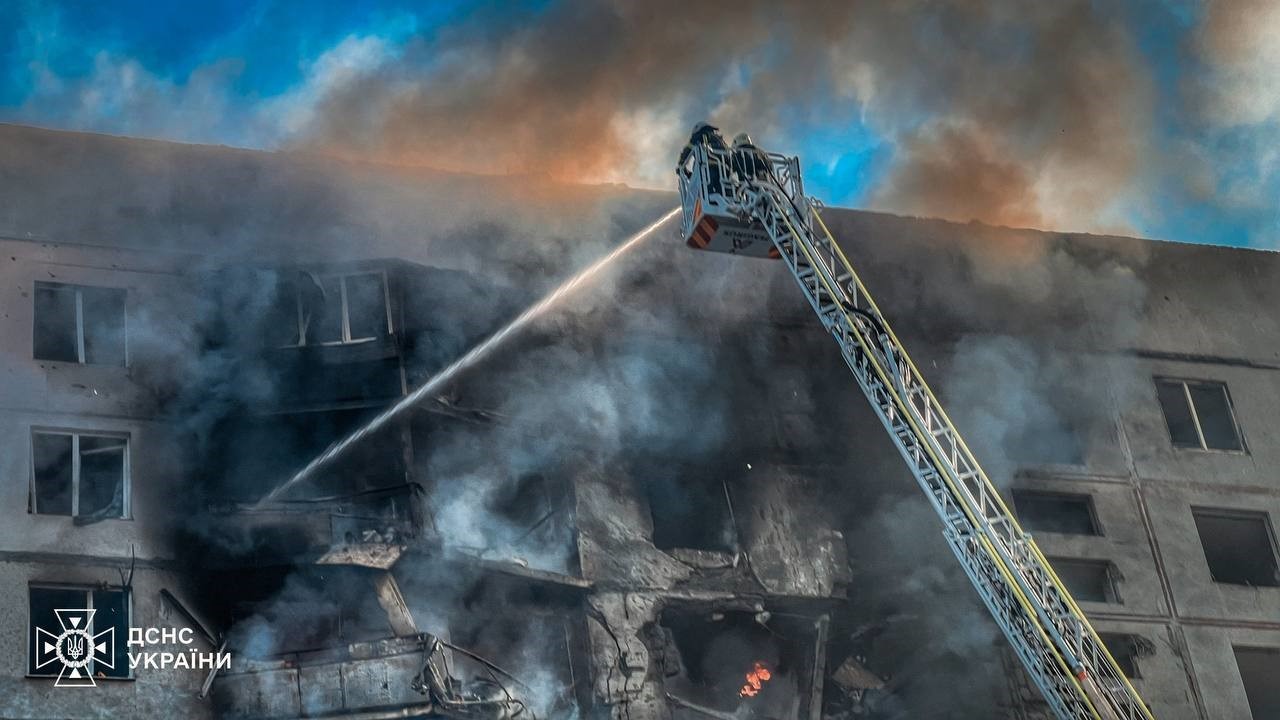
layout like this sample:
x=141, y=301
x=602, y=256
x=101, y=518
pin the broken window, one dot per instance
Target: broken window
x=1056, y=512
x=1087, y=580
x=332, y=309
x=364, y=301
x=1239, y=546
x=506, y=634
x=691, y=512
x=79, y=474
x=721, y=663
x=110, y=608
x=278, y=610
x=1125, y=649
x=527, y=502
x=79, y=324
x=1259, y=667
x=536, y=508
x=1199, y=414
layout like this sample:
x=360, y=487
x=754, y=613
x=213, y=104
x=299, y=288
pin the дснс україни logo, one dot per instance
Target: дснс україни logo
x=75, y=646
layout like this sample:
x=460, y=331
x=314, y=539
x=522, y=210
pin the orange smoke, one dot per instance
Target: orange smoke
x=756, y=678
x=1021, y=114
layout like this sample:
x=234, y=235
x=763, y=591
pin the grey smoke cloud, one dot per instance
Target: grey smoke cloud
x=1011, y=148
x=1012, y=114
x=1073, y=115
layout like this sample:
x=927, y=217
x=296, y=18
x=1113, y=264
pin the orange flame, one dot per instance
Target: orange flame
x=756, y=679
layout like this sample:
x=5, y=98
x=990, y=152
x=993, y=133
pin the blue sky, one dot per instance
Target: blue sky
x=264, y=74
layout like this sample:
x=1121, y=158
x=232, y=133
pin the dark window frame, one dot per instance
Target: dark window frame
x=1116, y=640
x=1251, y=649
x=88, y=591
x=1087, y=498
x=126, y=512
x=304, y=322
x=1203, y=446
x=1111, y=588
x=80, y=326
x=720, y=503
x=1264, y=519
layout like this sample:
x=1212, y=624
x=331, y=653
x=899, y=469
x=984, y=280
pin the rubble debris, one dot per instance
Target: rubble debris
x=709, y=712
x=705, y=559
x=376, y=555
x=518, y=570
x=217, y=642
x=392, y=601
x=855, y=691
x=853, y=676
x=213, y=671
x=486, y=699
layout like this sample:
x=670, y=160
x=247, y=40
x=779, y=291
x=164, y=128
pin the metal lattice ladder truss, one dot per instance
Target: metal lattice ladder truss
x=1048, y=631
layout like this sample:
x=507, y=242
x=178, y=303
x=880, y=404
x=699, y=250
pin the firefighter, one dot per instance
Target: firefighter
x=749, y=161
x=703, y=134
x=709, y=136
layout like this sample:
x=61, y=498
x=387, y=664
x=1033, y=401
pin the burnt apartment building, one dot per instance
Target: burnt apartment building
x=666, y=499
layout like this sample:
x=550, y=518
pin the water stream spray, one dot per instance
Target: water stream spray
x=473, y=356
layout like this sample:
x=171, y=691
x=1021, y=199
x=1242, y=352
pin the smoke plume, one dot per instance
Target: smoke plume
x=1003, y=112
x=1074, y=115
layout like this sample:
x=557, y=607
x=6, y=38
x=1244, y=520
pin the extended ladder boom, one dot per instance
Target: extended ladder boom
x=766, y=210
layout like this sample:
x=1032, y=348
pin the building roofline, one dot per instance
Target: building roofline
x=304, y=155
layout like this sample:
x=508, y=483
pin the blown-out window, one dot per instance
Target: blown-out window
x=1088, y=580
x=1259, y=667
x=79, y=324
x=1199, y=414
x=1066, y=513
x=332, y=309
x=1125, y=649
x=1238, y=546
x=84, y=475
x=54, y=609
x=691, y=512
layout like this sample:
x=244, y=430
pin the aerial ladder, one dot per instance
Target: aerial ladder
x=745, y=201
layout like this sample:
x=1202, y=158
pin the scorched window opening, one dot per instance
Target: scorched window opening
x=112, y=608
x=1065, y=513
x=1259, y=667
x=752, y=662
x=335, y=309
x=1239, y=546
x=1088, y=580
x=1124, y=650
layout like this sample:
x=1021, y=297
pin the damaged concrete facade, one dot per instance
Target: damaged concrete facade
x=602, y=567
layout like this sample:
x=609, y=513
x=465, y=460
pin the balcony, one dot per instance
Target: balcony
x=392, y=678
x=369, y=528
